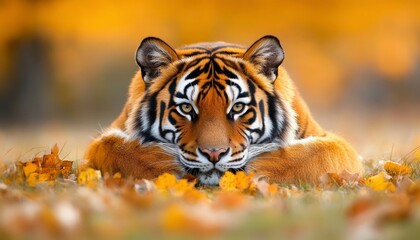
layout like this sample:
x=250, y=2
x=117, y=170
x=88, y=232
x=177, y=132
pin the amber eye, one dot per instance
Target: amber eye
x=238, y=107
x=186, y=108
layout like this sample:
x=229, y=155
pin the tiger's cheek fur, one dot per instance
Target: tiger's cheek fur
x=275, y=135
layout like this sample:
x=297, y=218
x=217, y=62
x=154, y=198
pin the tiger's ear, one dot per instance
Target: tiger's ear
x=152, y=55
x=267, y=54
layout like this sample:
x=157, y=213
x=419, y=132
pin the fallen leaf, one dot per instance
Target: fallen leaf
x=228, y=182
x=237, y=182
x=32, y=179
x=167, y=183
x=380, y=182
x=66, y=168
x=89, y=177
x=266, y=189
x=54, y=150
x=396, y=169
x=30, y=167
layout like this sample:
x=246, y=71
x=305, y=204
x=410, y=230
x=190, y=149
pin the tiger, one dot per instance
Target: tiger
x=207, y=108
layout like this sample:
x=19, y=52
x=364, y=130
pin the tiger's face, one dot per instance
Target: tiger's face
x=213, y=104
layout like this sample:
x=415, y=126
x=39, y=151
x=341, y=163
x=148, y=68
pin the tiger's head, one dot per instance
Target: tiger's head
x=215, y=104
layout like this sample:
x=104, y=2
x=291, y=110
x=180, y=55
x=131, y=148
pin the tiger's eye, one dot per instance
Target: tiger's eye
x=238, y=107
x=186, y=108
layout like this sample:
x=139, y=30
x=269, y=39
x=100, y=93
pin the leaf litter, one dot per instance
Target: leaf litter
x=48, y=197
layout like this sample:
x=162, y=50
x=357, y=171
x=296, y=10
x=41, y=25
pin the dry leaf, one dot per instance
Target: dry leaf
x=89, y=177
x=32, y=179
x=380, y=182
x=344, y=179
x=30, y=167
x=237, y=182
x=266, y=189
x=396, y=169
x=66, y=168
x=167, y=183
x=228, y=182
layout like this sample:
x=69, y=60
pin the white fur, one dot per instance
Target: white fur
x=117, y=133
x=303, y=141
x=213, y=179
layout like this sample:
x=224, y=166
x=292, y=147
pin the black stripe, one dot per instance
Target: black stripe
x=194, y=74
x=229, y=74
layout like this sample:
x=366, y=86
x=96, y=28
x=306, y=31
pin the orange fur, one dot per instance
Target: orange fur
x=112, y=154
x=311, y=154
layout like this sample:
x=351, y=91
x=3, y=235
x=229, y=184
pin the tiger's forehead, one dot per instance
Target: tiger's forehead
x=211, y=67
x=211, y=76
x=210, y=48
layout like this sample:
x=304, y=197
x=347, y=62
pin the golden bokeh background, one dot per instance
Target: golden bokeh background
x=69, y=62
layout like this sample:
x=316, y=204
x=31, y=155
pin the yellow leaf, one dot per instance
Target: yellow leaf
x=89, y=177
x=32, y=179
x=29, y=168
x=228, y=182
x=182, y=186
x=165, y=181
x=237, y=182
x=243, y=181
x=43, y=177
x=168, y=183
x=395, y=169
x=380, y=182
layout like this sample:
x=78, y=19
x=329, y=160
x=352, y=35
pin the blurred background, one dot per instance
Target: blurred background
x=65, y=65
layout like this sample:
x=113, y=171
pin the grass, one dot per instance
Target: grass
x=88, y=206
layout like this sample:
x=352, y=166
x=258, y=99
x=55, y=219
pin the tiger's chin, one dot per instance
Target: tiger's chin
x=211, y=177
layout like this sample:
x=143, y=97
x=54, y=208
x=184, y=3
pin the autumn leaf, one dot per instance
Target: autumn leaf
x=228, y=182
x=167, y=183
x=66, y=168
x=344, y=179
x=380, y=182
x=47, y=168
x=32, y=179
x=267, y=189
x=237, y=182
x=243, y=181
x=89, y=177
x=396, y=169
x=30, y=167
x=55, y=150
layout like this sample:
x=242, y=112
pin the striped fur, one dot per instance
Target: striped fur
x=208, y=108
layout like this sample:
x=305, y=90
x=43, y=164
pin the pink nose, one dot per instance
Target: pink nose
x=213, y=154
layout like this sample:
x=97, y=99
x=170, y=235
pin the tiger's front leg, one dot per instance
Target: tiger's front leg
x=113, y=152
x=306, y=160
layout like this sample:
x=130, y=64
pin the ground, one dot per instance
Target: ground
x=44, y=193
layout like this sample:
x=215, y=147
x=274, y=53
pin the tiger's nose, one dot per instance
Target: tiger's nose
x=213, y=154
